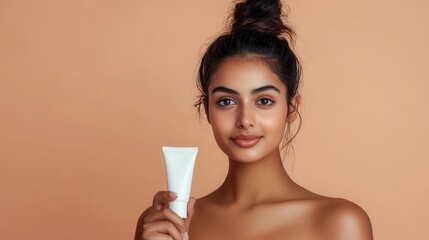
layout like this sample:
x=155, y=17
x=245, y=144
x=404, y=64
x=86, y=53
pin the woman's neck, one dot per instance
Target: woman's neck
x=248, y=184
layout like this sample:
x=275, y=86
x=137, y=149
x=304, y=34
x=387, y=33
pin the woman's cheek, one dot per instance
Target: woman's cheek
x=274, y=123
x=222, y=124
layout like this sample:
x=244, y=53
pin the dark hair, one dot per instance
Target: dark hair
x=256, y=30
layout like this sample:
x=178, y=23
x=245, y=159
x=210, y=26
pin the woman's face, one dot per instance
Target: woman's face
x=247, y=109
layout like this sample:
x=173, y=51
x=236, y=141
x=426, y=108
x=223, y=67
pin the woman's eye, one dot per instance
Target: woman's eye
x=225, y=102
x=265, y=101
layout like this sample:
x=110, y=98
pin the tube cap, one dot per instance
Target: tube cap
x=180, y=208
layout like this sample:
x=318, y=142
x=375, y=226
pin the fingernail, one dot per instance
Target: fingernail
x=172, y=194
x=185, y=236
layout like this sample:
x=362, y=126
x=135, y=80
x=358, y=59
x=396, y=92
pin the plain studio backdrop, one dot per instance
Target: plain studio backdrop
x=90, y=90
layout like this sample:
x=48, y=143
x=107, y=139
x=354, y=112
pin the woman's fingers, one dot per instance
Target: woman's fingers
x=158, y=230
x=163, y=223
x=161, y=199
x=156, y=236
x=169, y=215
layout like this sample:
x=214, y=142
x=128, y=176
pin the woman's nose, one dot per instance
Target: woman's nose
x=245, y=117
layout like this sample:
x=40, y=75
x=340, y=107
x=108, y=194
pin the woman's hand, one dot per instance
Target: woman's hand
x=160, y=222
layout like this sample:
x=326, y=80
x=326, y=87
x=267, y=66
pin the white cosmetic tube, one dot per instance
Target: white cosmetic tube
x=179, y=165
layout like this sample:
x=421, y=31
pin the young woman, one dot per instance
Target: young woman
x=249, y=79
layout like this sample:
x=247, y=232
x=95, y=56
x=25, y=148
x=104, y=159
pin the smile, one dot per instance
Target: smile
x=246, y=141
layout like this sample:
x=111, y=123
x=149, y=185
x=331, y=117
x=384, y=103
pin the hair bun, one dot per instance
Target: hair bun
x=260, y=15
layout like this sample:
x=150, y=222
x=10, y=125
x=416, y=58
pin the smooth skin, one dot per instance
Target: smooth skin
x=258, y=200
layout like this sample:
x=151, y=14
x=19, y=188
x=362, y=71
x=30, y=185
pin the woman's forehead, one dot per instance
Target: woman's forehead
x=245, y=75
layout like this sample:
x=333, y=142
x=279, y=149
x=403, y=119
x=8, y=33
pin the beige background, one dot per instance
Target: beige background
x=90, y=90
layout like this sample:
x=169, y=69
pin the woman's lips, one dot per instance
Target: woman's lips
x=246, y=141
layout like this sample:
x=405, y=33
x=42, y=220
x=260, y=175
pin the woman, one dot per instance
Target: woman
x=249, y=80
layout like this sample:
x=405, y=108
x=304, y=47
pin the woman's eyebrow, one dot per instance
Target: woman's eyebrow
x=254, y=91
x=265, y=88
x=225, y=90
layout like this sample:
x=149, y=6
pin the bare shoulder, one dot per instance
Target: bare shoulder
x=343, y=219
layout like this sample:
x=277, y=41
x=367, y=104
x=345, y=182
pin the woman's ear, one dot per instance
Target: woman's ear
x=293, y=111
x=206, y=109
